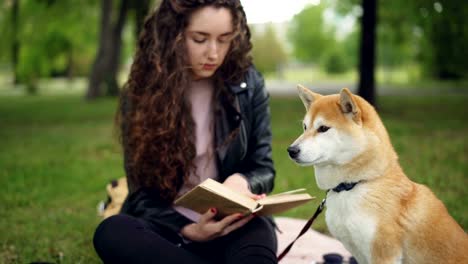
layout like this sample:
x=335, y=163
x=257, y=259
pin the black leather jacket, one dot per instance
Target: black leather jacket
x=249, y=153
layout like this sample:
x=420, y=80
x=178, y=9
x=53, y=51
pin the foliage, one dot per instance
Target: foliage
x=445, y=39
x=437, y=29
x=56, y=38
x=395, y=38
x=268, y=52
x=315, y=42
x=309, y=35
x=350, y=47
x=334, y=61
x=5, y=32
x=431, y=33
x=60, y=158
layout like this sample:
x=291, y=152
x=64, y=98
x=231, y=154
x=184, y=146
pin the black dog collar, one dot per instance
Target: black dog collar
x=345, y=186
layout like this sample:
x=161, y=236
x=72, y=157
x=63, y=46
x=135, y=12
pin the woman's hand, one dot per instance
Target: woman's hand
x=239, y=184
x=208, y=228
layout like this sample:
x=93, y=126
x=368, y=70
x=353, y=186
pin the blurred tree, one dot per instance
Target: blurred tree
x=349, y=46
x=103, y=75
x=10, y=45
x=431, y=33
x=15, y=44
x=310, y=39
x=308, y=34
x=48, y=35
x=335, y=61
x=445, y=37
x=268, y=52
x=366, y=85
x=397, y=43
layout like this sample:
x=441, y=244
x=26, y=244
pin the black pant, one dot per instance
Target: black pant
x=126, y=239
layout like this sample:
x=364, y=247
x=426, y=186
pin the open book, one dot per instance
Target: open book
x=212, y=194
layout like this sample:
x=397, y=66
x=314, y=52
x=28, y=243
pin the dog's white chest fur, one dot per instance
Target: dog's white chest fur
x=350, y=223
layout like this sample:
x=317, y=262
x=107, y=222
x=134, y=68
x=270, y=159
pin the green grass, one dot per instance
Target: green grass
x=58, y=153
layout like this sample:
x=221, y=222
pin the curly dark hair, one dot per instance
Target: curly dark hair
x=155, y=122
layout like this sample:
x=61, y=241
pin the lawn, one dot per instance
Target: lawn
x=58, y=152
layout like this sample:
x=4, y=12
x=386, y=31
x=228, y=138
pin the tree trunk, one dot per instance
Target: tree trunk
x=98, y=70
x=103, y=76
x=114, y=60
x=69, y=68
x=367, y=51
x=16, y=44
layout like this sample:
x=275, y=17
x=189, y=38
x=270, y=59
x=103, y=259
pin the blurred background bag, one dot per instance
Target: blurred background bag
x=117, y=191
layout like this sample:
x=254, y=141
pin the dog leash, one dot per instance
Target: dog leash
x=304, y=229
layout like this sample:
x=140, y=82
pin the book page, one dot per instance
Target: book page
x=281, y=203
x=230, y=194
x=288, y=192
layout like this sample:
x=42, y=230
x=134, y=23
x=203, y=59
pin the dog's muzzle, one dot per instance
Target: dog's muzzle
x=294, y=151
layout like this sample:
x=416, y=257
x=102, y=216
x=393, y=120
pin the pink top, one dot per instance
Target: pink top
x=200, y=95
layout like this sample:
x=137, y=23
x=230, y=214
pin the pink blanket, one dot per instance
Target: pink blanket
x=310, y=247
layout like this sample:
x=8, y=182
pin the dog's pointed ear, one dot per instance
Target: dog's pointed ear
x=307, y=96
x=348, y=105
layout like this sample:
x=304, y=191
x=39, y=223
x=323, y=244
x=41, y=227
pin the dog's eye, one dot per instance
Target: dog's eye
x=322, y=129
x=304, y=126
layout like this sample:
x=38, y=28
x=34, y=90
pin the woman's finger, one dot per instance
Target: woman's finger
x=228, y=220
x=209, y=215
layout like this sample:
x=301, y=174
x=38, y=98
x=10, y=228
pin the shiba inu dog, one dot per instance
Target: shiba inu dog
x=379, y=214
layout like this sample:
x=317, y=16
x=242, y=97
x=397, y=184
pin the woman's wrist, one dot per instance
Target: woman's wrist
x=187, y=232
x=183, y=237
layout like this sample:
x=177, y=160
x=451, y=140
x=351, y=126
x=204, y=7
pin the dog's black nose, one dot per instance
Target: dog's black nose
x=294, y=151
x=332, y=258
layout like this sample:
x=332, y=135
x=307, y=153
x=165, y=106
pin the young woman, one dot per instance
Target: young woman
x=193, y=108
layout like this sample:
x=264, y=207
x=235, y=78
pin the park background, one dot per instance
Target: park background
x=62, y=64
